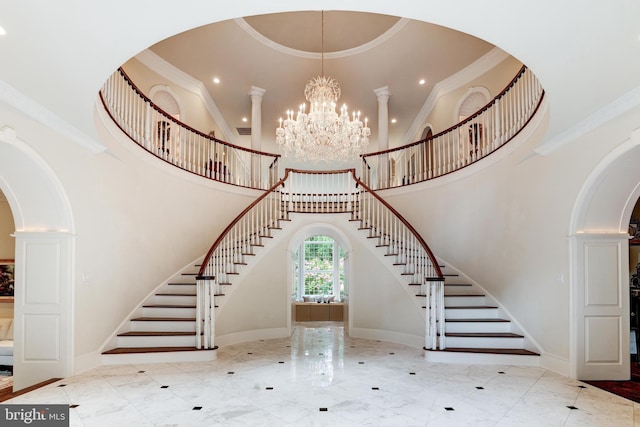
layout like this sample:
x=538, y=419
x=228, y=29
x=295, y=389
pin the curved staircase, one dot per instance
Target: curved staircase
x=169, y=327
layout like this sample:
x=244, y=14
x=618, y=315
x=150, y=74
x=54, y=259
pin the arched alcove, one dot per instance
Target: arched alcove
x=44, y=239
x=599, y=252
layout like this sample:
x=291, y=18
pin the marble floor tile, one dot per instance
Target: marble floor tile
x=321, y=377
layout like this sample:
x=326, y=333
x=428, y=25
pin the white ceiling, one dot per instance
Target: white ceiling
x=281, y=52
x=55, y=56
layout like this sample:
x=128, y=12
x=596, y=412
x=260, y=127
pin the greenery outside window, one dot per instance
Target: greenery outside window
x=319, y=268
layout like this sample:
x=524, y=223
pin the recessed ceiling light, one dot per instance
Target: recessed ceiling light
x=393, y=120
x=2, y=31
x=244, y=119
x=216, y=80
x=422, y=81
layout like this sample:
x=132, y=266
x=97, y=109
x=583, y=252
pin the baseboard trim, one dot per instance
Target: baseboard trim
x=555, y=363
x=387, y=336
x=253, y=335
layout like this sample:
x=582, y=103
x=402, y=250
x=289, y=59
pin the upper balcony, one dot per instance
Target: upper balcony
x=216, y=115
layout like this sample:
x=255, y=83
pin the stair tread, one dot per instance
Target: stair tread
x=154, y=334
x=477, y=320
x=458, y=284
x=471, y=307
x=483, y=334
x=168, y=306
x=174, y=294
x=164, y=319
x=126, y=350
x=464, y=295
x=511, y=351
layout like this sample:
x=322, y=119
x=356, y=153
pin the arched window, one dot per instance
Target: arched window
x=472, y=134
x=166, y=132
x=319, y=270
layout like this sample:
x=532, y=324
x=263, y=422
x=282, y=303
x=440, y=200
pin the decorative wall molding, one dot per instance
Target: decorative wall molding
x=43, y=115
x=451, y=83
x=318, y=55
x=189, y=83
x=609, y=112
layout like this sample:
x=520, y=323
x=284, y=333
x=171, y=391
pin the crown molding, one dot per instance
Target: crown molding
x=451, y=83
x=43, y=115
x=395, y=28
x=189, y=83
x=609, y=112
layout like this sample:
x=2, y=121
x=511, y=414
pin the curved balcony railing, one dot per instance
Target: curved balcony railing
x=461, y=145
x=181, y=145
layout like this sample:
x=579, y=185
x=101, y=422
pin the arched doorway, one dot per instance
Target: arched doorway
x=45, y=241
x=331, y=235
x=599, y=257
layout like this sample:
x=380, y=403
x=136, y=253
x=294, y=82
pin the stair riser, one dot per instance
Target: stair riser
x=471, y=313
x=459, y=290
x=177, y=300
x=163, y=326
x=468, y=342
x=478, y=327
x=168, y=341
x=168, y=312
x=463, y=301
x=189, y=289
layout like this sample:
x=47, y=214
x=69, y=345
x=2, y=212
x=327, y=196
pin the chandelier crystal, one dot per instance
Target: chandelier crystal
x=323, y=134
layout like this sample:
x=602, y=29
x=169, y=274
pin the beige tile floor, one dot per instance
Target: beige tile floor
x=321, y=377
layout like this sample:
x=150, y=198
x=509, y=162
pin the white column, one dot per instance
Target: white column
x=383, y=95
x=256, y=94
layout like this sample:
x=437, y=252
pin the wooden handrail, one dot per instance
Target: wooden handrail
x=457, y=125
x=229, y=227
x=186, y=126
x=406, y=223
x=282, y=181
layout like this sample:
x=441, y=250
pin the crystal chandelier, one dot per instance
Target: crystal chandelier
x=322, y=133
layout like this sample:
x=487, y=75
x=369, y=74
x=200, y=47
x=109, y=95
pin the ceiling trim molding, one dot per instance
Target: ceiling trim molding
x=451, y=83
x=189, y=83
x=395, y=28
x=609, y=112
x=43, y=115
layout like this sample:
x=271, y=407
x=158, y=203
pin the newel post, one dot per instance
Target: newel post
x=205, y=312
x=434, y=316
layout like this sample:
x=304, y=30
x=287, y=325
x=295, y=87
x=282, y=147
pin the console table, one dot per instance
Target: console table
x=313, y=311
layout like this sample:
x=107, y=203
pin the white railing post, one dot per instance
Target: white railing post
x=205, y=312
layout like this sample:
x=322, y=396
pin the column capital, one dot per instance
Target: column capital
x=382, y=92
x=256, y=91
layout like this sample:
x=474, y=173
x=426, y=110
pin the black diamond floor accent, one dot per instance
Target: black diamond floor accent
x=480, y=388
x=141, y=372
x=449, y=408
x=581, y=386
x=73, y=406
x=269, y=388
x=412, y=373
x=230, y=373
x=391, y=353
x=360, y=363
x=280, y=362
x=324, y=409
x=62, y=385
x=501, y=372
x=165, y=386
x=375, y=388
x=197, y=408
x=571, y=407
